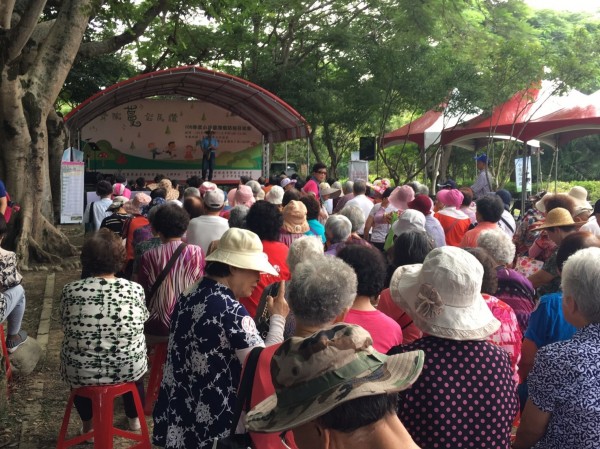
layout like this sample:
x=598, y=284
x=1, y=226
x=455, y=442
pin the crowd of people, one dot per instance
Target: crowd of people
x=387, y=317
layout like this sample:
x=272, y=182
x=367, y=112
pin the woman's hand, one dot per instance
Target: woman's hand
x=278, y=305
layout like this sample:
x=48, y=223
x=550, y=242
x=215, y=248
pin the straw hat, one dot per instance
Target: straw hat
x=443, y=297
x=172, y=194
x=134, y=206
x=314, y=375
x=558, y=217
x=294, y=218
x=242, y=249
x=117, y=203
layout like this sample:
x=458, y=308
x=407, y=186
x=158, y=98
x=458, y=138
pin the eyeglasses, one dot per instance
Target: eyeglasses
x=284, y=440
x=322, y=172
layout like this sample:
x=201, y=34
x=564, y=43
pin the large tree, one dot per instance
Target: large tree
x=39, y=42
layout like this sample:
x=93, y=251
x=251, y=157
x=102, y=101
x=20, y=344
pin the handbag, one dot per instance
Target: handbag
x=163, y=274
x=263, y=317
x=241, y=440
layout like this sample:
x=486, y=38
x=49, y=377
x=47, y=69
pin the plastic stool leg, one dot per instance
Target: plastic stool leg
x=5, y=354
x=156, y=374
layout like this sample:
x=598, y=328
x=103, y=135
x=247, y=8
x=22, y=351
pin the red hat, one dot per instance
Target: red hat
x=422, y=203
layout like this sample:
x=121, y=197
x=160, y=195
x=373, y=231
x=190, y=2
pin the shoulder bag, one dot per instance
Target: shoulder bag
x=163, y=274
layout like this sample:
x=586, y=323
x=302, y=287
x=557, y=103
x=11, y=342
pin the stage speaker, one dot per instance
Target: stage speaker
x=367, y=149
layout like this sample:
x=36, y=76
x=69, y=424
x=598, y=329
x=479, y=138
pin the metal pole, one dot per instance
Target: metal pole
x=286, y=158
x=307, y=156
x=523, y=180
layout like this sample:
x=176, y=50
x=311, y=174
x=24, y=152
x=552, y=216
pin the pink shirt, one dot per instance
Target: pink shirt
x=410, y=331
x=384, y=331
x=470, y=238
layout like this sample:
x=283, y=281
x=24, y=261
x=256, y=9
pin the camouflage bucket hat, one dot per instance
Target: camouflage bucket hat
x=314, y=375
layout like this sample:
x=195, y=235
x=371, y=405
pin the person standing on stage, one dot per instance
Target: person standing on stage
x=485, y=181
x=209, y=145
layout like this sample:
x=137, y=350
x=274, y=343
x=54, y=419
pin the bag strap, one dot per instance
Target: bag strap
x=163, y=274
x=507, y=224
x=245, y=391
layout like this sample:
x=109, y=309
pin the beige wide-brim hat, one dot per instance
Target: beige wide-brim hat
x=314, y=375
x=242, y=249
x=579, y=194
x=558, y=217
x=443, y=296
x=326, y=190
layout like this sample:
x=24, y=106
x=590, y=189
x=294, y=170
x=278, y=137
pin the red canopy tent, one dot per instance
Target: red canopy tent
x=511, y=119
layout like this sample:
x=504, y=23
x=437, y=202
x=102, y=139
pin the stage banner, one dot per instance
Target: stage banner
x=519, y=173
x=147, y=137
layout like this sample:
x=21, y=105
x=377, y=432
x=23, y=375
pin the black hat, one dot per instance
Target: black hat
x=449, y=184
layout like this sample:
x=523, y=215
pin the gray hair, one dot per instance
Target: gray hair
x=237, y=216
x=581, y=280
x=321, y=289
x=498, y=244
x=255, y=186
x=338, y=228
x=191, y=191
x=348, y=187
x=355, y=215
x=359, y=187
x=419, y=189
x=304, y=249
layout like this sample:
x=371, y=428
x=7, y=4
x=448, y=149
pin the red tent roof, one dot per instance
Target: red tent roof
x=413, y=131
x=512, y=118
x=268, y=113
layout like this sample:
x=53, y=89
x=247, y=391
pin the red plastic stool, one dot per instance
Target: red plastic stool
x=5, y=353
x=102, y=408
x=156, y=373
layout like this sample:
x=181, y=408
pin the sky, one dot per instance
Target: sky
x=566, y=5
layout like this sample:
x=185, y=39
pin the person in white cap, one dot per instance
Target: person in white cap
x=205, y=229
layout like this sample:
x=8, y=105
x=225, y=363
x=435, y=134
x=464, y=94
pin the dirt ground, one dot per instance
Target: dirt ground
x=37, y=402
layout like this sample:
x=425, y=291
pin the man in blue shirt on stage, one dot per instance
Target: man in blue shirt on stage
x=208, y=145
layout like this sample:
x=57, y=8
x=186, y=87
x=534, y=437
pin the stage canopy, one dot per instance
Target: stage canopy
x=274, y=118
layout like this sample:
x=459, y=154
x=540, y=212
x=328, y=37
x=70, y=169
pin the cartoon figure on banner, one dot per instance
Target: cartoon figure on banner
x=189, y=152
x=171, y=149
x=153, y=150
x=209, y=145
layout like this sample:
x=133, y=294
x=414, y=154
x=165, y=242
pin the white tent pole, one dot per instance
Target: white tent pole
x=307, y=156
x=286, y=157
x=524, y=180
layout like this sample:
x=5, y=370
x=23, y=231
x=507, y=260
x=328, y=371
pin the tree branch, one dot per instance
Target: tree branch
x=6, y=10
x=114, y=43
x=19, y=35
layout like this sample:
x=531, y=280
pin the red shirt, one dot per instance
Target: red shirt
x=277, y=253
x=470, y=238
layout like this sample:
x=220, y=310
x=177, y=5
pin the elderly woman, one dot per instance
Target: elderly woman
x=118, y=218
x=237, y=216
x=357, y=218
x=162, y=291
x=337, y=230
x=509, y=336
x=303, y=250
x=513, y=288
x=137, y=221
x=466, y=391
x=369, y=266
x=312, y=217
x=434, y=229
x=103, y=320
x=295, y=223
x=379, y=220
x=559, y=223
x=564, y=388
x=320, y=293
x=409, y=248
x=265, y=220
x=211, y=335
x=454, y=221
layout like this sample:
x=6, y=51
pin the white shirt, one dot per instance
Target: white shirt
x=205, y=229
x=506, y=215
x=591, y=226
x=365, y=204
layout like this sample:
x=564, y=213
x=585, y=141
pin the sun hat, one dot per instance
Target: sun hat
x=325, y=189
x=294, y=218
x=287, y=181
x=558, y=217
x=450, y=197
x=134, y=206
x=242, y=249
x=207, y=186
x=442, y=295
x=275, y=195
x=121, y=190
x=505, y=196
x=243, y=195
x=409, y=220
x=401, y=196
x=215, y=199
x=422, y=203
x=335, y=365
x=172, y=194
x=579, y=194
x=483, y=158
x=117, y=203
x=231, y=197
